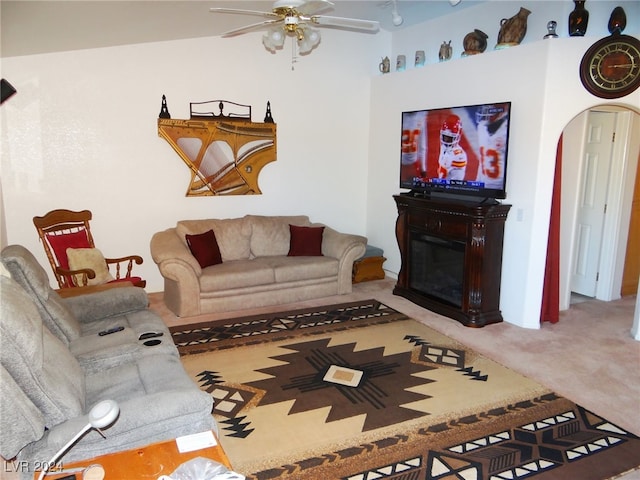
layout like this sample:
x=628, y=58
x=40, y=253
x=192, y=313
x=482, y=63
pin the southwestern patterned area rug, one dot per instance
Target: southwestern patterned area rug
x=360, y=391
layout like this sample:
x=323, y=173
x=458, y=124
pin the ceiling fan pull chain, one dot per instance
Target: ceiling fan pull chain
x=293, y=54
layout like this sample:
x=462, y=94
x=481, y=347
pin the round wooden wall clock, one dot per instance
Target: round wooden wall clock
x=611, y=66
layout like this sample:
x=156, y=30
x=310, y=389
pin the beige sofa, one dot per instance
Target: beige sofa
x=257, y=269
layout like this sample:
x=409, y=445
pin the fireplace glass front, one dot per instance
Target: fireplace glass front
x=437, y=267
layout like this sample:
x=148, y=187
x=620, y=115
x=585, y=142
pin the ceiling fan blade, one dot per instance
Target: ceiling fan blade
x=354, y=23
x=243, y=12
x=313, y=7
x=248, y=28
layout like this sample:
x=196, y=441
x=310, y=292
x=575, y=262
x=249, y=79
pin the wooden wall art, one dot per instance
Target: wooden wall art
x=225, y=152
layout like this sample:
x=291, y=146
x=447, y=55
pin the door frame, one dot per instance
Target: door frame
x=625, y=160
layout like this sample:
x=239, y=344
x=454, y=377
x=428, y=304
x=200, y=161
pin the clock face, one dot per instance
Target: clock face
x=611, y=66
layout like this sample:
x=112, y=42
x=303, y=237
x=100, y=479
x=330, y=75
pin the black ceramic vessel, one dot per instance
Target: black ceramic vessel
x=617, y=21
x=578, y=19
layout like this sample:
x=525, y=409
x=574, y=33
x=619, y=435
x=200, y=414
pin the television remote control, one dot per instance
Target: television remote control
x=110, y=331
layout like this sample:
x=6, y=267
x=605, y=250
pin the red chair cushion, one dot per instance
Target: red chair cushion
x=60, y=243
x=204, y=247
x=305, y=241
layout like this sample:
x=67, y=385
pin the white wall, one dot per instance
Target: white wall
x=82, y=133
x=541, y=80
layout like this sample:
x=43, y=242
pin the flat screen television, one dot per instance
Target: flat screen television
x=456, y=150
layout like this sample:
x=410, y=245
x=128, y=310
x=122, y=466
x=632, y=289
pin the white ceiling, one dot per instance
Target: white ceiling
x=31, y=27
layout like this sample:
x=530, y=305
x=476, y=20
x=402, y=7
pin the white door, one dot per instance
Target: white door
x=596, y=162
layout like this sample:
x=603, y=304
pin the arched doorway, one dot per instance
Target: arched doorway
x=619, y=188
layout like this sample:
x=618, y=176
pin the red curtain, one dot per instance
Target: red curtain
x=550, y=311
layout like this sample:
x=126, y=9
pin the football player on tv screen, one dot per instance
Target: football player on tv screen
x=492, y=139
x=452, y=163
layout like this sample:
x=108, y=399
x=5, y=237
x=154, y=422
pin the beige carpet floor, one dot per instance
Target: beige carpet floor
x=589, y=356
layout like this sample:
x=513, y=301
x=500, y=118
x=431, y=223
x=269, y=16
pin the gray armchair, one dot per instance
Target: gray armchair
x=46, y=392
x=77, y=321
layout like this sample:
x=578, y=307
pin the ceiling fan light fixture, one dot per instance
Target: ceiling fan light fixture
x=304, y=47
x=308, y=39
x=294, y=18
x=313, y=35
x=274, y=39
x=266, y=41
x=277, y=37
x=396, y=18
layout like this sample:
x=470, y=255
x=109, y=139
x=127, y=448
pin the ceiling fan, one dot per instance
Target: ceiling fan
x=295, y=18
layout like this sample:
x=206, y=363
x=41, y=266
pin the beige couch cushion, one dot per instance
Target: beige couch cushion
x=236, y=274
x=233, y=235
x=293, y=269
x=270, y=235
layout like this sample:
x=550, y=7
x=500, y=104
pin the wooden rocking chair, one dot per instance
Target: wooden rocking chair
x=60, y=230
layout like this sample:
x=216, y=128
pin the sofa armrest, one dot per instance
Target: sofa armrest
x=180, y=270
x=346, y=248
x=20, y=420
x=337, y=245
x=167, y=249
x=108, y=303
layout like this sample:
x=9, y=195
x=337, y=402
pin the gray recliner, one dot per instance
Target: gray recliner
x=77, y=321
x=46, y=393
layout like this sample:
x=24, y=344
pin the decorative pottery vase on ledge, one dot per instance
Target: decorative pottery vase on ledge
x=474, y=42
x=385, y=65
x=445, y=52
x=513, y=30
x=578, y=19
x=551, y=29
x=617, y=21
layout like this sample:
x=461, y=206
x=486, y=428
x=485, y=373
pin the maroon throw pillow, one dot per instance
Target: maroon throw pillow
x=204, y=247
x=60, y=243
x=305, y=241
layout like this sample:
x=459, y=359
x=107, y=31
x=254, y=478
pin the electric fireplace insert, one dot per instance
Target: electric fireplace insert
x=451, y=252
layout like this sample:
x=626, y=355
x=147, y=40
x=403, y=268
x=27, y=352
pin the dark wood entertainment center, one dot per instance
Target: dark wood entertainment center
x=451, y=253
